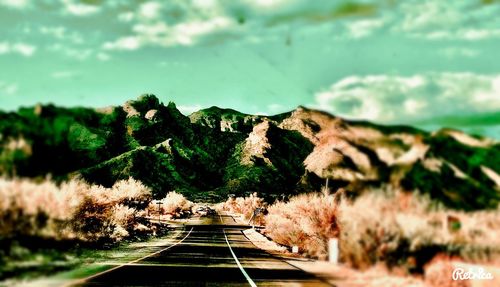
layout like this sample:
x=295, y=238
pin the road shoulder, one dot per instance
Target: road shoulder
x=104, y=260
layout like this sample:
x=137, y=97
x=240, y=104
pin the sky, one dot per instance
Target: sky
x=428, y=63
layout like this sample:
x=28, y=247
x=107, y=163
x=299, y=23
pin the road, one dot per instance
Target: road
x=212, y=251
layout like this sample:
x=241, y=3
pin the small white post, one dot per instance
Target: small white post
x=295, y=249
x=333, y=250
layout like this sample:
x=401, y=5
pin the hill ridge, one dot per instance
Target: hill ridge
x=216, y=151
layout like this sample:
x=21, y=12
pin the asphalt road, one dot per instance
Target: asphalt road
x=212, y=251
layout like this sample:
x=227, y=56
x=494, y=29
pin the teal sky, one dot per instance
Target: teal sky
x=425, y=62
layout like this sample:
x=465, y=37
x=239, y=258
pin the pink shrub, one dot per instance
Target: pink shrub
x=307, y=221
x=245, y=206
x=174, y=204
x=73, y=209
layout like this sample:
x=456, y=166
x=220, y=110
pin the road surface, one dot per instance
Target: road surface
x=212, y=251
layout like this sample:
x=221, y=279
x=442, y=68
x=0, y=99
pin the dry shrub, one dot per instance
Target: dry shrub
x=73, y=209
x=174, y=204
x=407, y=230
x=245, y=206
x=307, y=221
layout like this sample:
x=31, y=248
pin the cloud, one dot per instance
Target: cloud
x=63, y=74
x=126, y=17
x=443, y=20
x=454, y=52
x=79, y=9
x=267, y=4
x=276, y=108
x=124, y=43
x=150, y=10
x=79, y=54
x=160, y=34
x=23, y=49
x=15, y=4
x=103, y=57
x=61, y=33
x=8, y=88
x=363, y=28
x=396, y=99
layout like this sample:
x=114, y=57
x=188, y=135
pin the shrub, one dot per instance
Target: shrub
x=174, y=204
x=307, y=221
x=408, y=229
x=245, y=206
x=73, y=209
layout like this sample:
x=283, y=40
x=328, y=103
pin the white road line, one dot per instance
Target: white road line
x=250, y=281
x=128, y=263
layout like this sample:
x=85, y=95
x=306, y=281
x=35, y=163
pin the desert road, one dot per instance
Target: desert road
x=212, y=251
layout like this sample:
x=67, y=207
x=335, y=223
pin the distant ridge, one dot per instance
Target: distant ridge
x=215, y=152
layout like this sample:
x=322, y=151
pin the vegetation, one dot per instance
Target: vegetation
x=216, y=152
x=246, y=207
x=49, y=221
x=174, y=204
x=402, y=230
x=307, y=221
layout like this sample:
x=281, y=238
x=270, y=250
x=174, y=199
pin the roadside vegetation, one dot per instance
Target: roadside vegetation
x=44, y=222
x=409, y=230
x=306, y=221
x=246, y=207
x=174, y=205
x=406, y=232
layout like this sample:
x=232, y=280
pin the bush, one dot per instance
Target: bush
x=407, y=229
x=307, y=221
x=174, y=204
x=72, y=210
x=245, y=206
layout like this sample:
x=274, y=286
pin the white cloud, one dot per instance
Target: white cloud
x=438, y=20
x=103, y=57
x=186, y=33
x=389, y=99
x=8, y=88
x=454, y=52
x=275, y=108
x=4, y=48
x=362, y=28
x=150, y=10
x=267, y=4
x=63, y=74
x=205, y=4
x=70, y=52
x=126, y=17
x=23, y=49
x=160, y=34
x=78, y=9
x=125, y=43
x=61, y=33
x=413, y=106
x=16, y=4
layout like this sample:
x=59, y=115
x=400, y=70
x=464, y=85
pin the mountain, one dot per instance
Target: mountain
x=215, y=152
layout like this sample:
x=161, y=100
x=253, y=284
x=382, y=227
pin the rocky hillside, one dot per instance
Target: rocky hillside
x=215, y=152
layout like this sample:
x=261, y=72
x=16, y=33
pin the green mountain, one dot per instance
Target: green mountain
x=215, y=152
